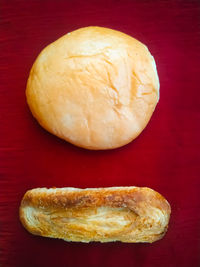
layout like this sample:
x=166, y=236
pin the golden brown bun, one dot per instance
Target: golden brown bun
x=126, y=214
x=94, y=87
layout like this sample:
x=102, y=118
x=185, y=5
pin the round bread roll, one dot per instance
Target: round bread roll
x=94, y=87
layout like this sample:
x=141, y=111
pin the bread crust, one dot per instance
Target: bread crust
x=126, y=214
x=95, y=87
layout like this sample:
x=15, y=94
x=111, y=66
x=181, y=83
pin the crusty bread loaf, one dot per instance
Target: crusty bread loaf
x=94, y=87
x=127, y=214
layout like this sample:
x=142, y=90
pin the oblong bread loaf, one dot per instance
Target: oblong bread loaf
x=126, y=214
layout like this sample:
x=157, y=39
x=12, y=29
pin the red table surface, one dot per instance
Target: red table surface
x=164, y=157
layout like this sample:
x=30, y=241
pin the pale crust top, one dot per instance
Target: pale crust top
x=127, y=214
x=95, y=87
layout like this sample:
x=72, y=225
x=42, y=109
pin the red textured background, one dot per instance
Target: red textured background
x=164, y=157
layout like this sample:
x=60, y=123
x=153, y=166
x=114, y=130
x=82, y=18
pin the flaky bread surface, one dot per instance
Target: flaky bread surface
x=126, y=214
